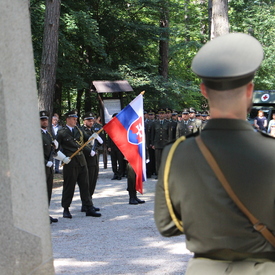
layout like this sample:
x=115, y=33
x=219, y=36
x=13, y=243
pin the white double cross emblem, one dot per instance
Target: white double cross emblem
x=139, y=130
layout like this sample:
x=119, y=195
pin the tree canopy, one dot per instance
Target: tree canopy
x=118, y=39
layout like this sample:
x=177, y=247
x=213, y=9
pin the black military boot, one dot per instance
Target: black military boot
x=138, y=200
x=66, y=213
x=84, y=208
x=91, y=212
x=53, y=220
x=132, y=199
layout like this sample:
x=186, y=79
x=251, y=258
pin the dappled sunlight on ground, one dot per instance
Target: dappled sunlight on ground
x=124, y=240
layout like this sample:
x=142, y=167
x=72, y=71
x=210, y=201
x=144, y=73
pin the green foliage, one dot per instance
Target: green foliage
x=118, y=39
x=257, y=18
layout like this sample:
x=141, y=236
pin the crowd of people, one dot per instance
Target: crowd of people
x=61, y=144
x=164, y=126
x=211, y=183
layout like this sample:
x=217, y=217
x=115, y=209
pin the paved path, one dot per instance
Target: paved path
x=124, y=240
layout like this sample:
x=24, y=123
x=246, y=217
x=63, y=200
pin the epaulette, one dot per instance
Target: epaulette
x=62, y=129
x=266, y=135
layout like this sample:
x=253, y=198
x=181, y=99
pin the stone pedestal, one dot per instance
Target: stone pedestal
x=24, y=227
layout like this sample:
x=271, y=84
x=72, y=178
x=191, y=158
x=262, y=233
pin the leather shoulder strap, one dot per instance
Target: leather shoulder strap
x=260, y=227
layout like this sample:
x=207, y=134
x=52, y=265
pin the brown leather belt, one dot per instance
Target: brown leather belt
x=230, y=255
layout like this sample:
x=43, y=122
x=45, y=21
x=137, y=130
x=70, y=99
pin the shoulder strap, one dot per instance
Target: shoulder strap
x=167, y=167
x=260, y=227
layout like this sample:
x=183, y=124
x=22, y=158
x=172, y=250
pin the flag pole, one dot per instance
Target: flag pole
x=82, y=146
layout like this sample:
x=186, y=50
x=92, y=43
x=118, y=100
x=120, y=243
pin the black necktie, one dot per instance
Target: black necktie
x=73, y=131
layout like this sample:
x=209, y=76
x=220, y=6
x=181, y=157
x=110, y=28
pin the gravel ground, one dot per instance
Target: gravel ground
x=124, y=240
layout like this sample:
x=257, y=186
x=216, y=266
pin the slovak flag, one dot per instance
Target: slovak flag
x=126, y=130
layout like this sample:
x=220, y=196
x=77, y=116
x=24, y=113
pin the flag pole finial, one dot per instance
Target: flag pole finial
x=142, y=92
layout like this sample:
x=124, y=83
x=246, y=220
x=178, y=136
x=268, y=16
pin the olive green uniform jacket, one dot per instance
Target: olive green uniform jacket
x=48, y=150
x=212, y=223
x=76, y=170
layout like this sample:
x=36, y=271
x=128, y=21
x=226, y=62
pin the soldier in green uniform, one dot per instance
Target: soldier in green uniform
x=70, y=139
x=159, y=136
x=183, y=127
x=50, y=145
x=203, y=119
x=173, y=126
x=194, y=122
x=222, y=238
x=91, y=155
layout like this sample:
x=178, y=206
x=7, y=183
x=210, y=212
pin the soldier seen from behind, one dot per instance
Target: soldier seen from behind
x=192, y=194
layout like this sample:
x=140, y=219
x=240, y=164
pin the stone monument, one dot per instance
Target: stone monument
x=25, y=237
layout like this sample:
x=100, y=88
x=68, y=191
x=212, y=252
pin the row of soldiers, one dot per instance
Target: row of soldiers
x=82, y=169
x=165, y=126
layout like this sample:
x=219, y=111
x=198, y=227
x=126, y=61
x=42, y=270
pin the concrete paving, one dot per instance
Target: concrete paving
x=124, y=240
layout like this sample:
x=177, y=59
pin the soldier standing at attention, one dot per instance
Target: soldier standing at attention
x=195, y=123
x=160, y=136
x=70, y=139
x=91, y=156
x=117, y=158
x=151, y=165
x=49, y=147
x=223, y=239
x=173, y=126
x=183, y=127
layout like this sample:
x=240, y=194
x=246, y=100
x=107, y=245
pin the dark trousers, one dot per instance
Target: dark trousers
x=131, y=180
x=49, y=180
x=93, y=170
x=151, y=165
x=117, y=160
x=158, y=152
x=73, y=174
x=56, y=165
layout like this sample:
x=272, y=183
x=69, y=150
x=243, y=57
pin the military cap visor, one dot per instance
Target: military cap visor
x=44, y=114
x=228, y=61
x=71, y=114
x=88, y=116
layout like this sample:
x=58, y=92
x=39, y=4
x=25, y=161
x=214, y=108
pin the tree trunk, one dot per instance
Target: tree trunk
x=219, y=18
x=164, y=40
x=87, y=101
x=57, y=98
x=78, y=100
x=49, y=56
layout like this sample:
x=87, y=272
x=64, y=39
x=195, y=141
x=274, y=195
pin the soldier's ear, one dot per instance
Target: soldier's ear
x=203, y=90
x=250, y=89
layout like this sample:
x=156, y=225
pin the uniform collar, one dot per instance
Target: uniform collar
x=228, y=124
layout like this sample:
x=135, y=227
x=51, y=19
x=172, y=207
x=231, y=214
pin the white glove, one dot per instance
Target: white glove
x=55, y=142
x=62, y=157
x=99, y=139
x=49, y=164
x=92, y=153
x=66, y=160
x=93, y=137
